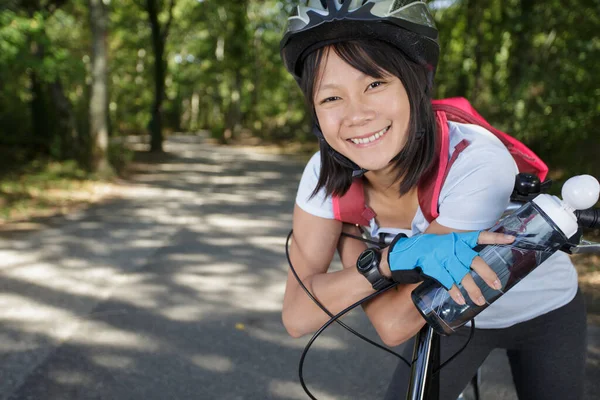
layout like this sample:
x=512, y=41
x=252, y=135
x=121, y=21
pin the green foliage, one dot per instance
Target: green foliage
x=529, y=67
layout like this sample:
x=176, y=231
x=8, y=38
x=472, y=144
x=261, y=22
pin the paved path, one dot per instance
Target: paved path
x=174, y=292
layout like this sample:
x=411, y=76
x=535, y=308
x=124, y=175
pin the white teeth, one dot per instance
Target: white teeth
x=370, y=138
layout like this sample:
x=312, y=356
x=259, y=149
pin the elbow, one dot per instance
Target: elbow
x=394, y=334
x=393, y=340
x=292, y=325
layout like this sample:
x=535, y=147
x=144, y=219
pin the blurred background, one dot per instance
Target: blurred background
x=75, y=76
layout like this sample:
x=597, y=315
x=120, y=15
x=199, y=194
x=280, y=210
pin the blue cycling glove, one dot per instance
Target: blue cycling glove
x=445, y=258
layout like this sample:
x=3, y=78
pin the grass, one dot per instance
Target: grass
x=43, y=188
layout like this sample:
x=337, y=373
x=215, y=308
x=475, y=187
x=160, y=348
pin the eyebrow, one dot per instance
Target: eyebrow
x=335, y=86
x=327, y=86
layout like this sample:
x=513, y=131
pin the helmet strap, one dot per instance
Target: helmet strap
x=344, y=161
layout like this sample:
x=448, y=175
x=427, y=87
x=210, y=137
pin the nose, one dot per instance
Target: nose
x=358, y=113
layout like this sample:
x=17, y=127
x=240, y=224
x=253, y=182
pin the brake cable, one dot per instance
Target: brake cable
x=335, y=318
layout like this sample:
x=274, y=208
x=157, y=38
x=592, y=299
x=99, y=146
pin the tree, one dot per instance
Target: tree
x=99, y=89
x=159, y=38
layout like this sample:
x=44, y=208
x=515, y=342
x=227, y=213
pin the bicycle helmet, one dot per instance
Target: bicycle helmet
x=405, y=24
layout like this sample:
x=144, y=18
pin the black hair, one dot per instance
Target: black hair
x=377, y=59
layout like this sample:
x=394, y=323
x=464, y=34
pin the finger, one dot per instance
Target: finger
x=469, y=238
x=456, y=268
x=456, y=295
x=437, y=272
x=473, y=290
x=495, y=238
x=486, y=273
x=464, y=254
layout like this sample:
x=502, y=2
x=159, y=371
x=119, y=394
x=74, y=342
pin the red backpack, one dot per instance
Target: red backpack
x=351, y=206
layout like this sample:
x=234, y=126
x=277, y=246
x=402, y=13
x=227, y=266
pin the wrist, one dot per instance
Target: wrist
x=384, y=266
x=368, y=265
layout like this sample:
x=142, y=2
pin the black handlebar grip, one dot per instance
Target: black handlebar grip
x=589, y=218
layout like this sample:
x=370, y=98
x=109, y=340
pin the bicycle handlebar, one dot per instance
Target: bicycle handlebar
x=589, y=218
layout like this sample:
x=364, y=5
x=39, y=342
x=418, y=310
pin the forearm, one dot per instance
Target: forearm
x=334, y=290
x=394, y=315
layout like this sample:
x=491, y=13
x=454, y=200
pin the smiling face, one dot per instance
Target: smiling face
x=364, y=118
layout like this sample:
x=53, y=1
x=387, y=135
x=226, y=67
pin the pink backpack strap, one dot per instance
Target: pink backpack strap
x=431, y=184
x=351, y=207
x=458, y=109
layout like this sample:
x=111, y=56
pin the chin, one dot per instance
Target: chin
x=374, y=166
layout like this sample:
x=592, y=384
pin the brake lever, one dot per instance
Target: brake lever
x=578, y=245
x=585, y=247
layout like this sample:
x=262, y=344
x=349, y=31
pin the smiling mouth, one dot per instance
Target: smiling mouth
x=371, y=138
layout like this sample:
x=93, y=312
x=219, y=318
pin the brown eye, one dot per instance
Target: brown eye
x=329, y=99
x=375, y=84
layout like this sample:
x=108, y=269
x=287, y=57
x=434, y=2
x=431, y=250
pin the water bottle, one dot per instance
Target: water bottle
x=541, y=227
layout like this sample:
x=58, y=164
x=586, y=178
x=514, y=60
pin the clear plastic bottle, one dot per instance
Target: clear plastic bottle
x=541, y=226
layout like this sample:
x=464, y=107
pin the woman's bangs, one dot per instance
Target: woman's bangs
x=364, y=57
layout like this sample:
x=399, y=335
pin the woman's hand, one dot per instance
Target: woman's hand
x=444, y=258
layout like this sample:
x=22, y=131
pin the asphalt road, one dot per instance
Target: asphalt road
x=174, y=292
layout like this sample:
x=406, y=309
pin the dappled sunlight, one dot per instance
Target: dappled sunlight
x=219, y=241
x=230, y=198
x=191, y=259
x=204, y=283
x=268, y=175
x=213, y=268
x=198, y=168
x=293, y=390
x=77, y=281
x=233, y=180
x=281, y=338
x=70, y=377
x=147, y=243
x=108, y=336
x=178, y=284
x=271, y=195
x=225, y=221
x=212, y=362
x=274, y=243
x=192, y=312
x=113, y=361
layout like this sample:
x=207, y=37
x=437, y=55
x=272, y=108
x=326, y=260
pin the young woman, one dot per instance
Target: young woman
x=366, y=68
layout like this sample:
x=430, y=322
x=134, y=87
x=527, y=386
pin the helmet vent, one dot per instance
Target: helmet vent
x=399, y=4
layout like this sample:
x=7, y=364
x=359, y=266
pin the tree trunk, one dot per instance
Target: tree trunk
x=39, y=116
x=99, y=89
x=479, y=47
x=158, y=45
x=233, y=120
x=235, y=59
x=520, y=55
x=67, y=125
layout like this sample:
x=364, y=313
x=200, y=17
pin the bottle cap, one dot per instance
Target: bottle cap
x=559, y=212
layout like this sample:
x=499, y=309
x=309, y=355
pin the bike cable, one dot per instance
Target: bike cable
x=335, y=318
x=471, y=333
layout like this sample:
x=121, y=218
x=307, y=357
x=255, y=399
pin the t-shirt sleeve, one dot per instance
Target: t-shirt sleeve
x=319, y=205
x=477, y=189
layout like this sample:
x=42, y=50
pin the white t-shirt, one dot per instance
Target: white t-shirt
x=474, y=196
